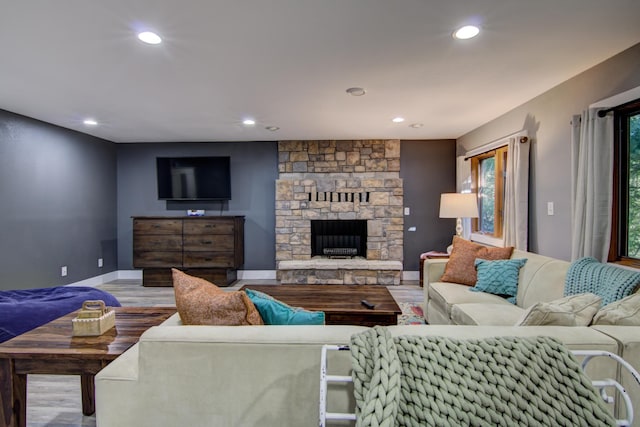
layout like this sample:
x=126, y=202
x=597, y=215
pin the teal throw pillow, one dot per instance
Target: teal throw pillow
x=274, y=312
x=499, y=277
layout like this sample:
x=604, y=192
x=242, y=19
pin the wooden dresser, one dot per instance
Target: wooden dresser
x=207, y=247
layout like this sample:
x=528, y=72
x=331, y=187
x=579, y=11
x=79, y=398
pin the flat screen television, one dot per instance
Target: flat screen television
x=194, y=178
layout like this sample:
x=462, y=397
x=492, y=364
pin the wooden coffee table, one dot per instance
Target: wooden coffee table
x=340, y=303
x=50, y=349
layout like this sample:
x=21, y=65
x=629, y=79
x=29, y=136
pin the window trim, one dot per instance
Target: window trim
x=500, y=154
x=620, y=174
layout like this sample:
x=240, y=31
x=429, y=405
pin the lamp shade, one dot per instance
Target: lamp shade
x=458, y=205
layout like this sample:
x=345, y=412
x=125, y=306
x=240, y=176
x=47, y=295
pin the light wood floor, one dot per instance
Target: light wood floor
x=55, y=401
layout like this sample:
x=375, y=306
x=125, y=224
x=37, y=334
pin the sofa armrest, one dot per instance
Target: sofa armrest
x=433, y=271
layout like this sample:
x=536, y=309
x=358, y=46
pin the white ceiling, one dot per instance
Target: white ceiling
x=287, y=63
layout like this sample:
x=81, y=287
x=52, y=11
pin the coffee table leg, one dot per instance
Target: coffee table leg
x=88, y=388
x=13, y=396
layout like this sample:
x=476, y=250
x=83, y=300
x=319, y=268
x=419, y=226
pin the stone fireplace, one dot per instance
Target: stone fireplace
x=334, y=181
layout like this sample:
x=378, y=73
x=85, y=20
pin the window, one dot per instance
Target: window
x=488, y=181
x=625, y=235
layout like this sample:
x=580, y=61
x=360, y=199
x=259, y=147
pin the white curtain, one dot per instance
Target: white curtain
x=516, y=193
x=463, y=185
x=591, y=184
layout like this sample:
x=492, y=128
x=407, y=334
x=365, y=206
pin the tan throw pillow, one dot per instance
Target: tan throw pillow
x=461, y=265
x=625, y=312
x=574, y=310
x=200, y=302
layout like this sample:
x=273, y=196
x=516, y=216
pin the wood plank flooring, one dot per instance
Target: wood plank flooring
x=55, y=401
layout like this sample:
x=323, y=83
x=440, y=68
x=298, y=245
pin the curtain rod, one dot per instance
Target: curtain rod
x=603, y=113
x=497, y=143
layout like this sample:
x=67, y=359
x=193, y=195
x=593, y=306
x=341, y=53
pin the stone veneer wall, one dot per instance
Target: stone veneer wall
x=357, y=179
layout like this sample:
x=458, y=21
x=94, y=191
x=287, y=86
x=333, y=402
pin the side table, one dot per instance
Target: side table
x=429, y=255
x=51, y=349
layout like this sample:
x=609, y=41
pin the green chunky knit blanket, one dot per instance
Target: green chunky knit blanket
x=609, y=282
x=436, y=381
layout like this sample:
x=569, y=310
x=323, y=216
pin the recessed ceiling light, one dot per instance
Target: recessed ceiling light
x=272, y=128
x=248, y=122
x=466, y=32
x=90, y=122
x=397, y=119
x=416, y=125
x=149, y=37
x=356, y=91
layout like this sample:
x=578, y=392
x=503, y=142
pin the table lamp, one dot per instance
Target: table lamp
x=458, y=205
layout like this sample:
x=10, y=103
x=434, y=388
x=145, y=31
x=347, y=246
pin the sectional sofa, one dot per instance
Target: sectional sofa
x=269, y=375
x=541, y=279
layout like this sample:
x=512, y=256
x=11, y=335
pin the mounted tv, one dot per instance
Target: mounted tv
x=194, y=178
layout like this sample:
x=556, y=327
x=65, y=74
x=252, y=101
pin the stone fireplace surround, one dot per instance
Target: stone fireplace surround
x=334, y=180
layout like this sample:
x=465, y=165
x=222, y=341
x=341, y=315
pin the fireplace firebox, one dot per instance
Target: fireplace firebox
x=339, y=238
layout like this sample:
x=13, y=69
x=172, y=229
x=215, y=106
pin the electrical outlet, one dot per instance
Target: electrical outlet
x=407, y=211
x=63, y=271
x=100, y=262
x=549, y=208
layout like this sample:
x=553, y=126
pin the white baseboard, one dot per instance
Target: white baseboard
x=130, y=274
x=242, y=275
x=410, y=275
x=97, y=280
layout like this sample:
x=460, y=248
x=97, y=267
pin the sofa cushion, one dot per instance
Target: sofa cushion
x=486, y=314
x=461, y=268
x=625, y=312
x=200, y=302
x=446, y=295
x=574, y=310
x=541, y=278
x=499, y=277
x=274, y=312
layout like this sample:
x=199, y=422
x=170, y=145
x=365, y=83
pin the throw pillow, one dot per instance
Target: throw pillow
x=625, y=312
x=574, y=310
x=274, y=312
x=461, y=265
x=200, y=302
x=499, y=277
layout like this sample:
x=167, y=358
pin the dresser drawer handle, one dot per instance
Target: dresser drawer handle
x=207, y=242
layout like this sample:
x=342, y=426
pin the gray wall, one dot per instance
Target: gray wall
x=57, y=204
x=254, y=169
x=428, y=169
x=547, y=118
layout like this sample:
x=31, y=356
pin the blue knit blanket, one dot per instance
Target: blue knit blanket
x=609, y=282
x=23, y=310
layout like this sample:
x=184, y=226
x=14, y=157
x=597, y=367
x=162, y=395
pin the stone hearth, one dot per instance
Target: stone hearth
x=334, y=180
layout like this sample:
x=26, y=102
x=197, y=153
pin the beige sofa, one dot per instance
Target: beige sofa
x=269, y=375
x=541, y=280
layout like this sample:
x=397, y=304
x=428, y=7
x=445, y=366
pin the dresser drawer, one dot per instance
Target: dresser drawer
x=203, y=226
x=209, y=243
x=157, y=242
x=157, y=259
x=157, y=226
x=207, y=259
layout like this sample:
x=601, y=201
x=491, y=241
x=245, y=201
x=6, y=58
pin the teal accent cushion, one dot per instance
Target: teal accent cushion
x=274, y=312
x=499, y=277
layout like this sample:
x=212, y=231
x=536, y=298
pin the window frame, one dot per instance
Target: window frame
x=500, y=155
x=620, y=202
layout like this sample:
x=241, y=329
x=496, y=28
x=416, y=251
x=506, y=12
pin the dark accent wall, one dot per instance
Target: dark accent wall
x=254, y=170
x=547, y=118
x=427, y=168
x=57, y=204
